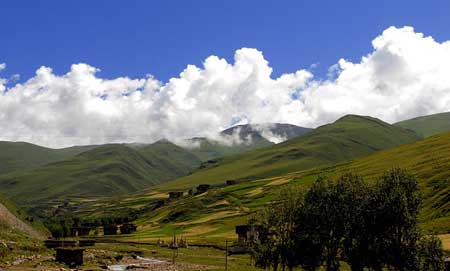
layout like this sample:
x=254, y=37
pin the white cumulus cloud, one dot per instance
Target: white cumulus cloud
x=407, y=74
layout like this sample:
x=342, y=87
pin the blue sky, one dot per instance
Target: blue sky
x=134, y=38
x=381, y=68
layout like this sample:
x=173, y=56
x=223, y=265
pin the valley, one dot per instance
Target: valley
x=133, y=182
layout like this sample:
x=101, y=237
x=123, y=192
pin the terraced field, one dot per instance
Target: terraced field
x=210, y=217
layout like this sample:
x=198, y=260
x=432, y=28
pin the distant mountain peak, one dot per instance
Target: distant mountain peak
x=273, y=132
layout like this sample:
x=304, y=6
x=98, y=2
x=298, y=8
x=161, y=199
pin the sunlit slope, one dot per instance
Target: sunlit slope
x=105, y=171
x=428, y=125
x=428, y=160
x=213, y=215
x=15, y=156
x=349, y=137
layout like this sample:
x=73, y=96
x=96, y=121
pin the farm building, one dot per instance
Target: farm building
x=80, y=231
x=128, y=228
x=202, y=188
x=175, y=194
x=110, y=229
x=72, y=257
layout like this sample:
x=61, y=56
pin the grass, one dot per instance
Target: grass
x=14, y=243
x=19, y=156
x=23, y=215
x=114, y=170
x=104, y=171
x=211, y=217
x=366, y=144
x=445, y=241
x=428, y=125
x=347, y=138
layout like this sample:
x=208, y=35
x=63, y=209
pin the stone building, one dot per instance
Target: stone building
x=80, y=231
x=202, y=188
x=110, y=229
x=128, y=228
x=175, y=194
x=72, y=257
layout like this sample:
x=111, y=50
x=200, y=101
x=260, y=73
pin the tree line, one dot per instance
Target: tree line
x=61, y=227
x=368, y=226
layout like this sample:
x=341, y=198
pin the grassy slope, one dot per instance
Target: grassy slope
x=15, y=242
x=170, y=158
x=428, y=160
x=347, y=138
x=428, y=125
x=107, y=170
x=211, y=217
x=16, y=156
x=22, y=215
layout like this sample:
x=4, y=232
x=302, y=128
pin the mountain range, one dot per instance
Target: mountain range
x=34, y=175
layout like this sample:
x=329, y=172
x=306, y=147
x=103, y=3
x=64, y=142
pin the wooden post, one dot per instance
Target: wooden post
x=173, y=256
x=174, y=247
x=226, y=255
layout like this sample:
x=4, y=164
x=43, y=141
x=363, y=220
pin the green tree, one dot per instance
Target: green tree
x=276, y=243
x=430, y=254
x=397, y=202
x=353, y=194
x=321, y=212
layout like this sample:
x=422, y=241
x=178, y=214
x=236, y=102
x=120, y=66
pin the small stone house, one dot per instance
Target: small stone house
x=128, y=228
x=72, y=257
x=110, y=229
x=202, y=188
x=175, y=194
x=80, y=231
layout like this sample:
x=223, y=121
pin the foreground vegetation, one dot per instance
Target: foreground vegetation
x=367, y=226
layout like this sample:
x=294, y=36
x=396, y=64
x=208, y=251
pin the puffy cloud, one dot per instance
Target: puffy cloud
x=406, y=75
x=81, y=108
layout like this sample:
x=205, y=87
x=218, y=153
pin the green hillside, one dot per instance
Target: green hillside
x=210, y=217
x=104, y=171
x=428, y=125
x=16, y=156
x=38, y=229
x=169, y=158
x=20, y=233
x=349, y=137
x=428, y=160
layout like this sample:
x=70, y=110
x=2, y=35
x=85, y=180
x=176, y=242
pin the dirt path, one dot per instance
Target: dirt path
x=16, y=223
